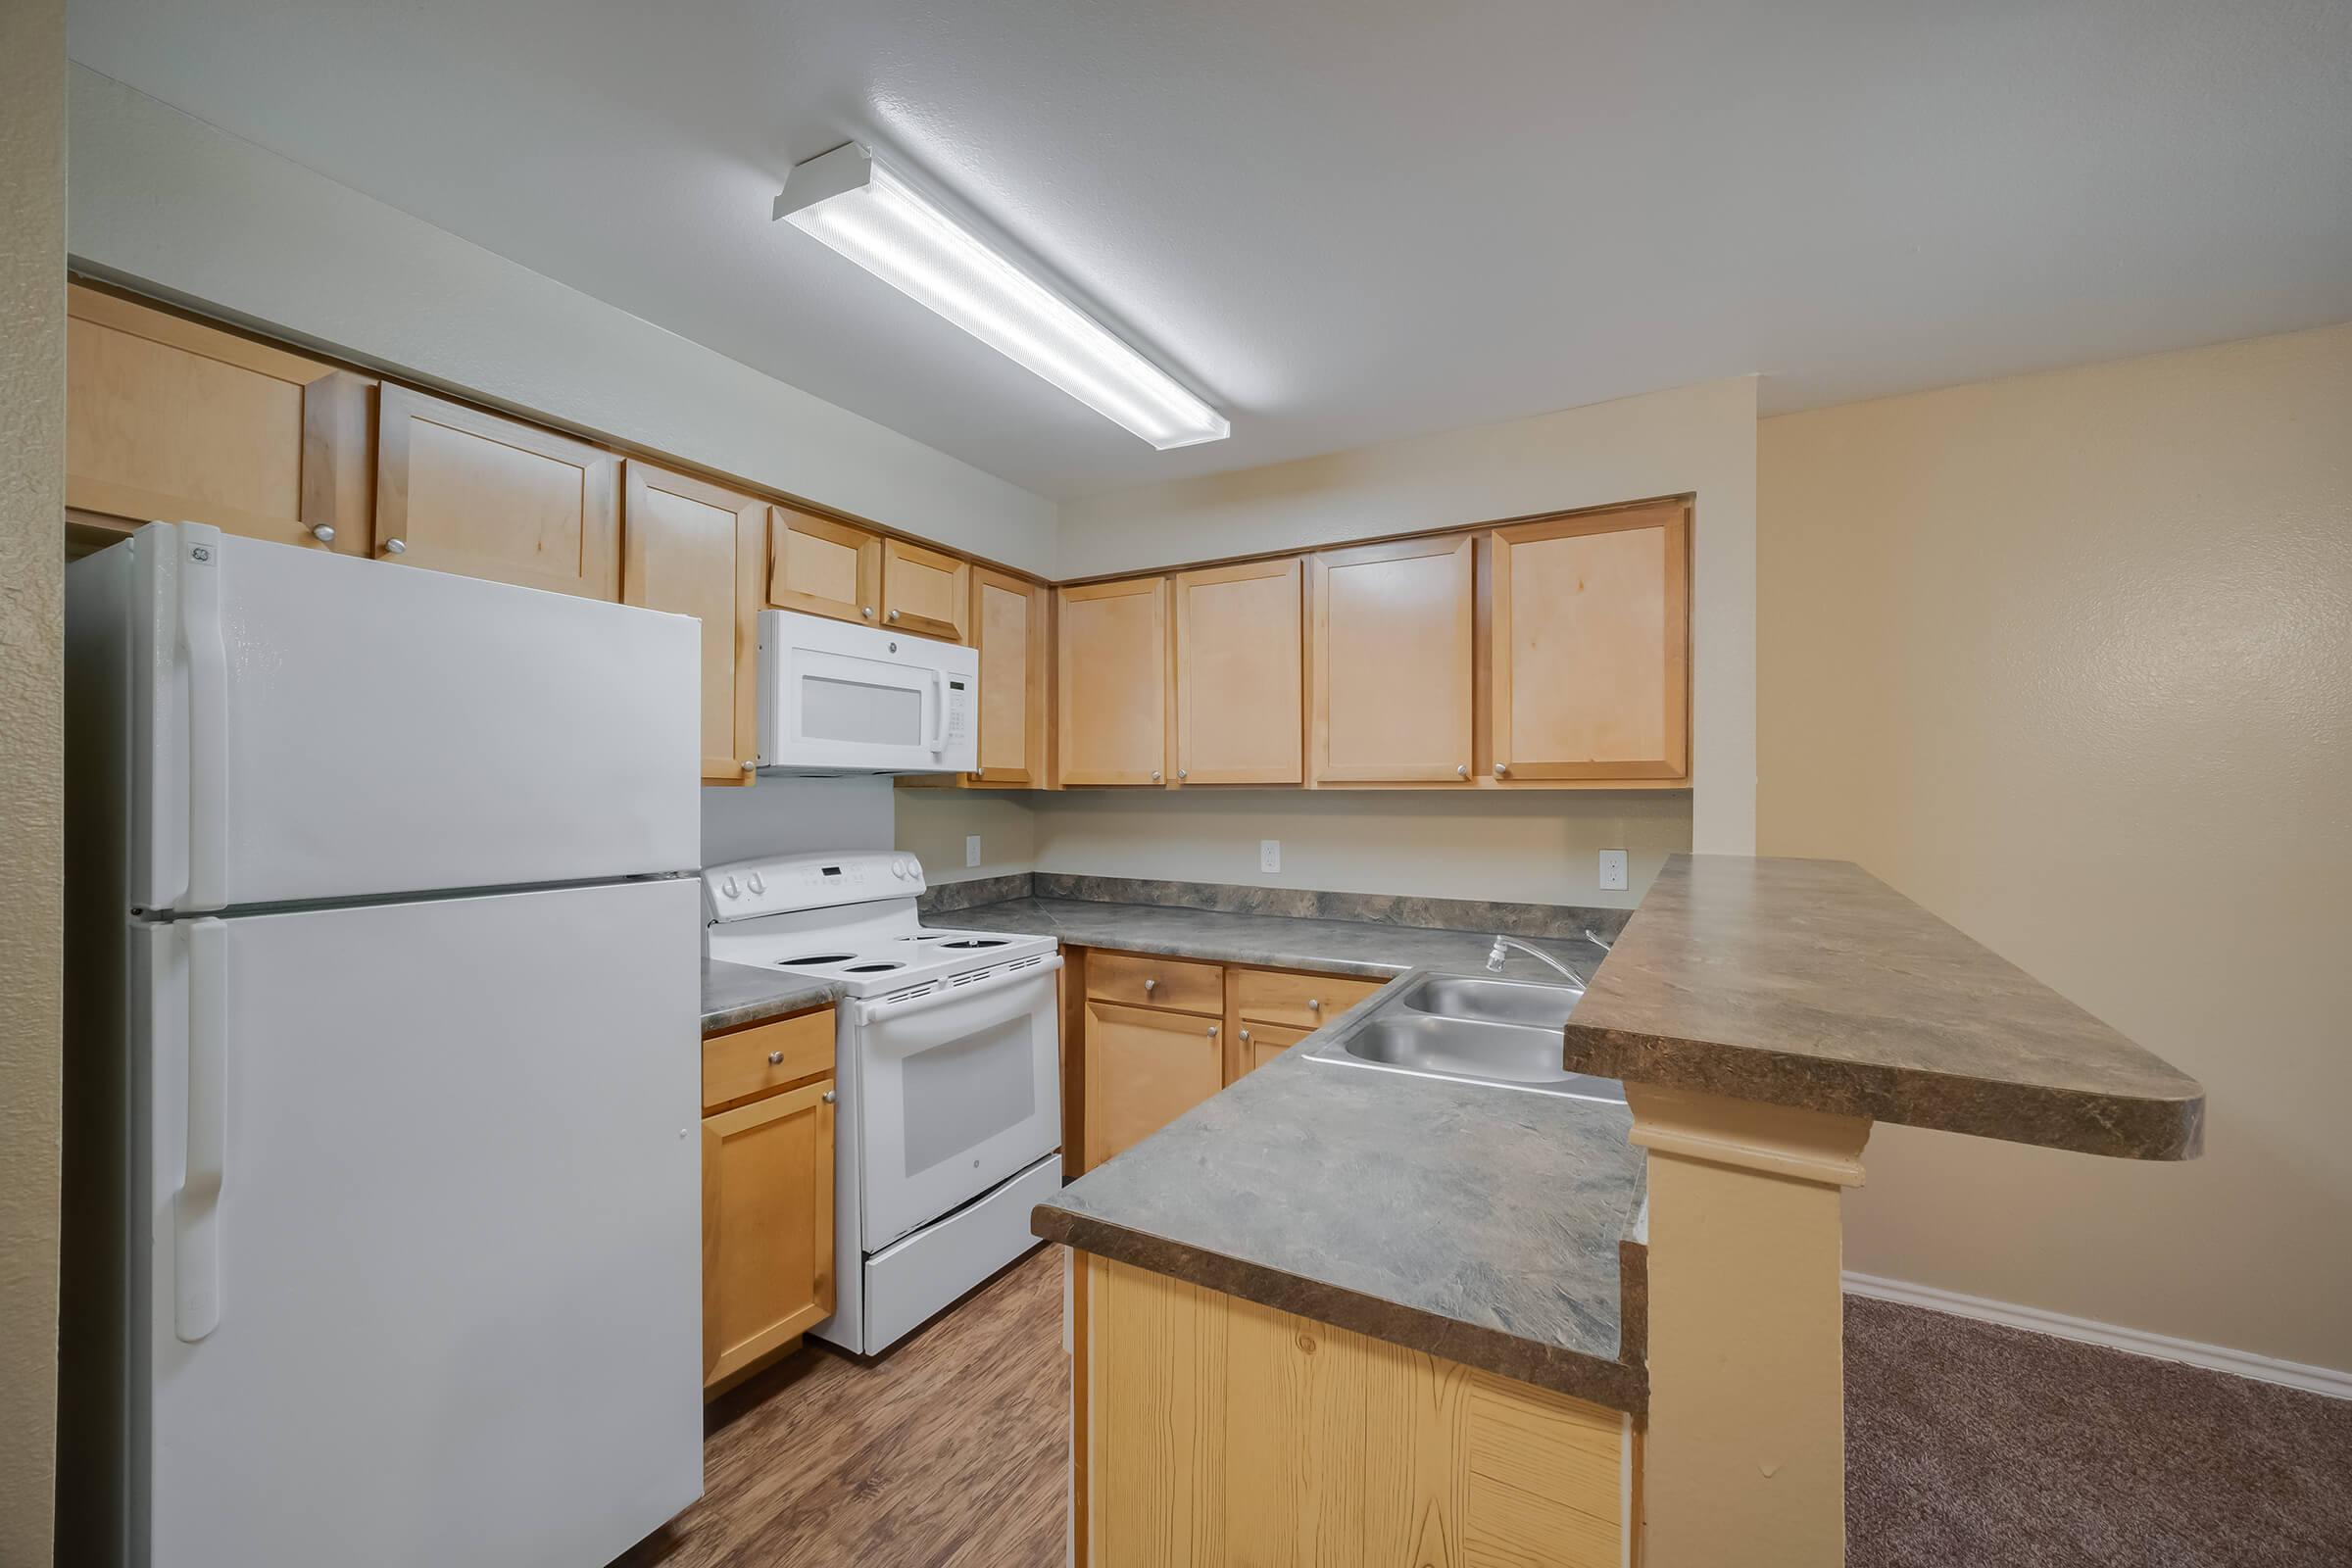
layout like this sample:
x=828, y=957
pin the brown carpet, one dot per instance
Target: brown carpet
x=1973, y=1444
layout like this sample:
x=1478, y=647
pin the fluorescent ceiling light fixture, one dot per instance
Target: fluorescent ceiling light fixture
x=859, y=205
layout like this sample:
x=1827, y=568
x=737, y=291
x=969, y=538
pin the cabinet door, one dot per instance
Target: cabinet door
x=926, y=592
x=1008, y=627
x=768, y=1225
x=1144, y=1068
x=1591, y=645
x=464, y=491
x=1115, y=677
x=1239, y=663
x=694, y=549
x=1262, y=1042
x=173, y=421
x=1392, y=663
x=823, y=567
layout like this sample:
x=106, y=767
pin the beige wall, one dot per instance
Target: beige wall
x=33, y=477
x=1536, y=848
x=1698, y=440
x=932, y=824
x=2068, y=659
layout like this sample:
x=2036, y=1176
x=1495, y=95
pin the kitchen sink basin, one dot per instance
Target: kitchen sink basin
x=1465, y=1029
x=1520, y=1002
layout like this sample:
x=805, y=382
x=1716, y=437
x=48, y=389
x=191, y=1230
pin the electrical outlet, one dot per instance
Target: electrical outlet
x=1269, y=854
x=1612, y=870
x=971, y=850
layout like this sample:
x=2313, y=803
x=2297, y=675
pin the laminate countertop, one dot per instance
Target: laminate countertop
x=1373, y=949
x=737, y=993
x=1486, y=1225
x=1811, y=983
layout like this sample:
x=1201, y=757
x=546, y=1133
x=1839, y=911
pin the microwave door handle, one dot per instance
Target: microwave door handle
x=937, y=740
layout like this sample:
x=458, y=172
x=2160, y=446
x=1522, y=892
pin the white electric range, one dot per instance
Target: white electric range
x=948, y=1125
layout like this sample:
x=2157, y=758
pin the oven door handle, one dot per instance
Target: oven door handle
x=884, y=1009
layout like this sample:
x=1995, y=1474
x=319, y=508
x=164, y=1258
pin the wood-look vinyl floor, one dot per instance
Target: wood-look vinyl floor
x=954, y=1449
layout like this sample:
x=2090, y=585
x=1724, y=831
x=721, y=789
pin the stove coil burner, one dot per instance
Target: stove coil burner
x=812, y=959
x=979, y=942
x=872, y=968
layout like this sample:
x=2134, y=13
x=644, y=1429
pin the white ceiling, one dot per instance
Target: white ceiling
x=1348, y=219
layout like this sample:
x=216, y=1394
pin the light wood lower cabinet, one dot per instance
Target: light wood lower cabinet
x=483, y=496
x=171, y=419
x=1144, y=1067
x=767, y=1195
x=1147, y=1038
x=1210, y=1429
x=695, y=549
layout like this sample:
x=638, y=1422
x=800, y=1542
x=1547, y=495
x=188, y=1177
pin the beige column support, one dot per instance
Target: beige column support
x=1745, y=1457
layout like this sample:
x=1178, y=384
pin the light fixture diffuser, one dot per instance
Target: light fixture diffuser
x=860, y=207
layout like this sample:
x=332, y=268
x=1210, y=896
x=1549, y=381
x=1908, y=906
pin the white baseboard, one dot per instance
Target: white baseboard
x=2164, y=1348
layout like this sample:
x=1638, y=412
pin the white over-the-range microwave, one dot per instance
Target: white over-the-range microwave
x=836, y=698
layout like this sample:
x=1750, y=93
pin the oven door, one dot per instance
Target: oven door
x=959, y=1089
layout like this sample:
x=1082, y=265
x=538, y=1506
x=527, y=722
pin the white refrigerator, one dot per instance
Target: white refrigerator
x=383, y=1176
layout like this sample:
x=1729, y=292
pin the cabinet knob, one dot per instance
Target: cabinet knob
x=867, y=611
x=1155, y=776
x=893, y=616
x=1151, y=986
x=1461, y=771
x=776, y=1058
x=396, y=547
x=749, y=766
x=828, y=1097
x=1212, y=1031
x=1312, y=1005
x=1244, y=1034
x=1500, y=769
x=324, y=534
x=1184, y=773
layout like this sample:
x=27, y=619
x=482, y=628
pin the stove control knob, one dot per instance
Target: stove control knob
x=757, y=885
x=728, y=887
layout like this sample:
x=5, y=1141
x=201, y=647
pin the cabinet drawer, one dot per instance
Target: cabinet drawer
x=767, y=1056
x=1301, y=1000
x=1141, y=981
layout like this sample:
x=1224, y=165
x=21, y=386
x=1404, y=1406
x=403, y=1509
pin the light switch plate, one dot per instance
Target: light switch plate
x=1269, y=854
x=1612, y=870
x=971, y=850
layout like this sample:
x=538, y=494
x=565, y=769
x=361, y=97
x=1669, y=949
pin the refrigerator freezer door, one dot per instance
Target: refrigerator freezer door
x=308, y=727
x=421, y=1256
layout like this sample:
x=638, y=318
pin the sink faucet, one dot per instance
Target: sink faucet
x=1498, y=952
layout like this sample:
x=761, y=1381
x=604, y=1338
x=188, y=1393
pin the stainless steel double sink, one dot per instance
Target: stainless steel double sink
x=1468, y=1029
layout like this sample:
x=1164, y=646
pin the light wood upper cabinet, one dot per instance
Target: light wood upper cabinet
x=1145, y=1066
x=171, y=420
x=464, y=491
x=1238, y=674
x=1008, y=628
x=924, y=591
x=823, y=567
x=1391, y=660
x=768, y=1225
x=1590, y=645
x=694, y=549
x=1113, y=681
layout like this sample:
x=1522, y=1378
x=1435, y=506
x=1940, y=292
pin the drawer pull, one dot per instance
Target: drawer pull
x=1312, y=1005
x=1151, y=986
x=776, y=1058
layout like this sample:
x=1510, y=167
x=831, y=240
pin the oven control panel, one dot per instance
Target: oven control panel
x=781, y=884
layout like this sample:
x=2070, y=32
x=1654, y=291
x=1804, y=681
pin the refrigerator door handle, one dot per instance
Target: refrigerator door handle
x=196, y=1212
x=208, y=715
